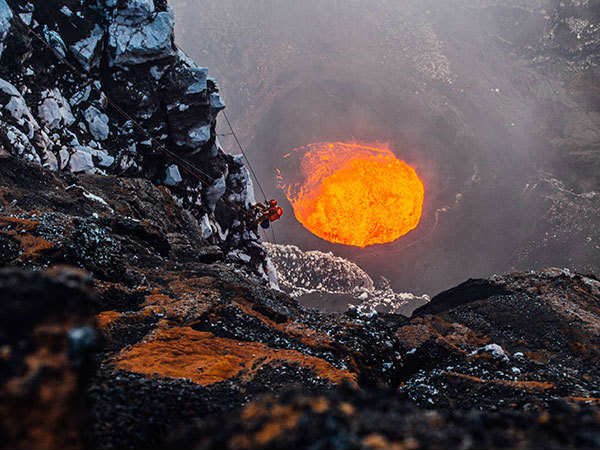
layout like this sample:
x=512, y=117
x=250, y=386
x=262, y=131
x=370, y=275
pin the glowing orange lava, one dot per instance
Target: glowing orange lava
x=355, y=195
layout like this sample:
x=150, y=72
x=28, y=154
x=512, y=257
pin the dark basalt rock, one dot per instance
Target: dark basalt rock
x=47, y=357
x=469, y=291
x=385, y=420
x=530, y=345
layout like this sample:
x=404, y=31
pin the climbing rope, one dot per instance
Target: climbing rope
x=233, y=133
x=245, y=156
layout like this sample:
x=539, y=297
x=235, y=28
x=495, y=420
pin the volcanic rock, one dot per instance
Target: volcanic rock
x=48, y=345
x=186, y=331
x=129, y=100
x=331, y=283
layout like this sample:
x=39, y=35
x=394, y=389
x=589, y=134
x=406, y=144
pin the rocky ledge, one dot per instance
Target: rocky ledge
x=155, y=338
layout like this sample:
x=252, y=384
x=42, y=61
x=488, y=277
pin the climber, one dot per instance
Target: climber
x=267, y=213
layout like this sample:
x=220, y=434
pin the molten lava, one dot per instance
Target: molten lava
x=356, y=195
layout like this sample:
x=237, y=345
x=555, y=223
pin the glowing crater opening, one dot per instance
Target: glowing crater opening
x=354, y=194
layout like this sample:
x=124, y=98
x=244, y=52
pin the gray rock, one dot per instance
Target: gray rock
x=193, y=138
x=56, y=42
x=85, y=50
x=105, y=159
x=138, y=9
x=8, y=88
x=199, y=136
x=49, y=113
x=216, y=102
x=97, y=123
x=50, y=161
x=173, y=176
x=215, y=191
x=19, y=144
x=199, y=83
x=55, y=111
x=64, y=156
x=16, y=106
x=81, y=96
x=248, y=197
x=205, y=228
x=136, y=36
x=81, y=161
x=26, y=17
x=6, y=16
x=66, y=11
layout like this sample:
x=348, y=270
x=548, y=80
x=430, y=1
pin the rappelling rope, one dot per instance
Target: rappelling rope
x=233, y=133
x=245, y=156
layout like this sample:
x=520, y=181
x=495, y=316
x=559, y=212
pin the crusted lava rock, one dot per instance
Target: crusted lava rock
x=517, y=341
x=334, y=284
x=503, y=363
x=383, y=419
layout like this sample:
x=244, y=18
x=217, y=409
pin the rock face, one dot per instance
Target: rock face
x=131, y=83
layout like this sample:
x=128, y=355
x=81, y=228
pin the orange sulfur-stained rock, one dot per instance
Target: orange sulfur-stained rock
x=182, y=352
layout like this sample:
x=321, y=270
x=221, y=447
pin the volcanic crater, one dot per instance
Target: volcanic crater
x=465, y=106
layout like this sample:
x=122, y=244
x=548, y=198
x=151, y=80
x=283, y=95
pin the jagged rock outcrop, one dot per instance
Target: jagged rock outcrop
x=124, y=56
x=520, y=341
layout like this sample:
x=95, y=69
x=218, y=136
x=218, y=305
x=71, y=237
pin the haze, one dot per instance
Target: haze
x=492, y=102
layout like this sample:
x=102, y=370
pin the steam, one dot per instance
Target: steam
x=471, y=93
